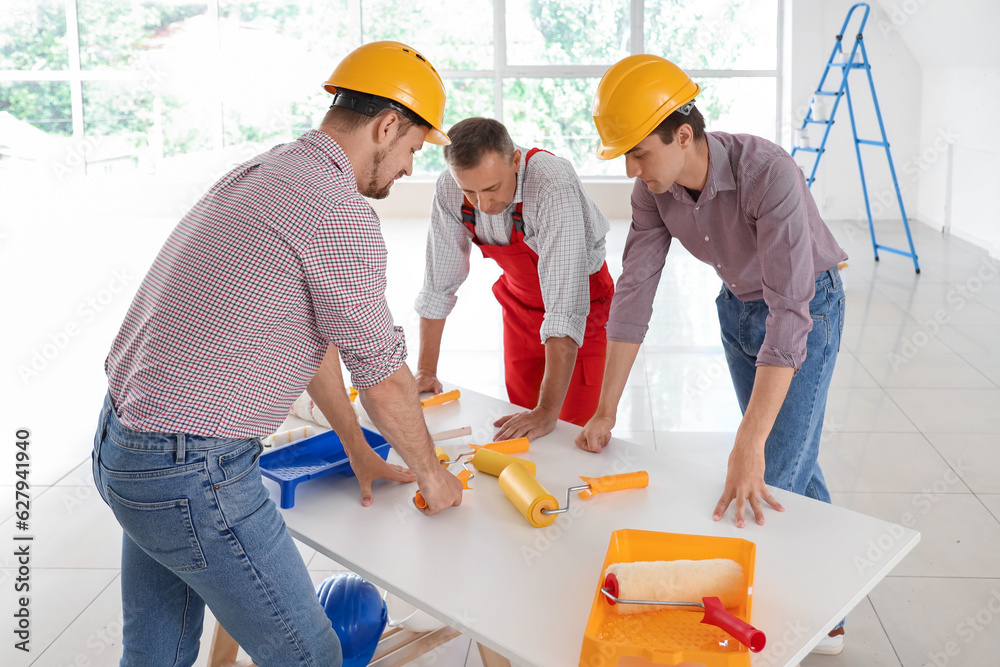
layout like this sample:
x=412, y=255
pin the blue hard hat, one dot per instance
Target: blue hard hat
x=357, y=612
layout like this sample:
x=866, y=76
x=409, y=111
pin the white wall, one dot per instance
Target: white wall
x=959, y=160
x=897, y=76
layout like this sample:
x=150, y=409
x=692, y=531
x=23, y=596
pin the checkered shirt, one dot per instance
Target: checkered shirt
x=561, y=224
x=281, y=257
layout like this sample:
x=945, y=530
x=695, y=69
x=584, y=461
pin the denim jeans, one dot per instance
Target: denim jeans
x=199, y=528
x=792, y=449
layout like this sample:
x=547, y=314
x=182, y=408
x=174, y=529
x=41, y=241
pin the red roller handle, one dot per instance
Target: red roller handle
x=746, y=634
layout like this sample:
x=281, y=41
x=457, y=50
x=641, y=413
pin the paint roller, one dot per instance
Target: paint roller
x=540, y=507
x=515, y=446
x=438, y=399
x=501, y=447
x=710, y=585
x=493, y=462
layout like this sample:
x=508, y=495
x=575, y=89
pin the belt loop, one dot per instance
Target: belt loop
x=181, y=451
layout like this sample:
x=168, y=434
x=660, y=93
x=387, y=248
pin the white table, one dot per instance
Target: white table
x=526, y=592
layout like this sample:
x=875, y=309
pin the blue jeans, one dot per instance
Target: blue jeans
x=199, y=528
x=792, y=449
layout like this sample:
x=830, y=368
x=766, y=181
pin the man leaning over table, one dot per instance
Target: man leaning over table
x=527, y=210
x=739, y=203
x=280, y=265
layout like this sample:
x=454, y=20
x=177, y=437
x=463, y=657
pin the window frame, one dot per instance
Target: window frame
x=500, y=72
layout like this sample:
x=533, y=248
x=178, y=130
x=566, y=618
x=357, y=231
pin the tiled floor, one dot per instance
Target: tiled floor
x=912, y=432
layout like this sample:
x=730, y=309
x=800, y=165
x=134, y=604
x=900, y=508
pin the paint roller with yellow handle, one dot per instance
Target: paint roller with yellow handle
x=463, y=477
x=539, y=506
x=493, y=462
x=438, y=399
x=515, y=446
x=710, y=585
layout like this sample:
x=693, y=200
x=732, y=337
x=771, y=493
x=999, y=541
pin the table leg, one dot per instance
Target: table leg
x=491, y=658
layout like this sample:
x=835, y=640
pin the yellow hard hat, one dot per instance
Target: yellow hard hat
x=633, y=97
x=396, y=73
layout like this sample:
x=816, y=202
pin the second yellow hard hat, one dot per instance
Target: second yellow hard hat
x=633, y=97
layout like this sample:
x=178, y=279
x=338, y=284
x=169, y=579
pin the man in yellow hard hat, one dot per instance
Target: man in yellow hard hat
x=740, y=204
x=527, y=210
x=277, y=272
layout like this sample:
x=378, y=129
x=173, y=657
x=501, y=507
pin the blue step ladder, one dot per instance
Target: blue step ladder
x=857, y=59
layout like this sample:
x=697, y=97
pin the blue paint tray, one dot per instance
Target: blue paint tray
x=306, y=459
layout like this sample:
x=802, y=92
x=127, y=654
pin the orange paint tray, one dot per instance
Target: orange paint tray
x=667, y=636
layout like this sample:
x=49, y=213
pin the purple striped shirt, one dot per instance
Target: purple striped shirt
x=755, y=222
x=280, y=257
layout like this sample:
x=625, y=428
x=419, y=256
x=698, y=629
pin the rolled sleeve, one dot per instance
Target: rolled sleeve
x=642, y=263
x=562, y=261
x=447, y=256
x=344, y=268
x=788, y=273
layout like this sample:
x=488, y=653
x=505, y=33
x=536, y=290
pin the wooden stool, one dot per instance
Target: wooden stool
x=396, y=647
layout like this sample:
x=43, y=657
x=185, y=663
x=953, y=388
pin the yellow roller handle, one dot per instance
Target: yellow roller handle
x=628, y=480
x=438, y=399
x=493, y=462
x=528, y=496
x=515, y=446
x=441, y=455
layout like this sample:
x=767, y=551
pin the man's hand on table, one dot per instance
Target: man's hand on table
x=745, y=481
x=440, y=490
x=596, y=434
x=531, y=424
x=427, y=381
x=369, y=466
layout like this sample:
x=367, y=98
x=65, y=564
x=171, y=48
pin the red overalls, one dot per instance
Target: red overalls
x=520, y=296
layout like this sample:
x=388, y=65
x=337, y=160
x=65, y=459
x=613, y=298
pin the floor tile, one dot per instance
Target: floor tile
x=694, y=372
x=882, y=462
x=678, y=409
x=865, y=643
x=941, y=622
x=970, y=340
x=707, y=449
x=904, y=339
x=73, y=528
x=959, y=313
x=863, y=409
x=992, y=502
x=634, y=410
x=950, y=410
x=959, y=537
x=974, y=456
x=83, y=618
x=57, y=598
x=987, y=364
x=848, y=372
x=924, y=370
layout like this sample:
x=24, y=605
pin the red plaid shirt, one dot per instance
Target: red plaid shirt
x=280, y=257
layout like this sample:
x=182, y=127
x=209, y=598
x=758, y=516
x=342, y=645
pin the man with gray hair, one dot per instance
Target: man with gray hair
x=527, y=210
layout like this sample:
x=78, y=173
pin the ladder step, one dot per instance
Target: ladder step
x=808, y=150
x=827, y=92
x=904, y=253
x=819, y=122
x=872, y=143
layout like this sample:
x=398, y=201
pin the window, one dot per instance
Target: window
x=153, y=83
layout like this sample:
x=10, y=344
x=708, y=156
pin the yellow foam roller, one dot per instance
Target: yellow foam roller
x=528, y=496
x=493, y=463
